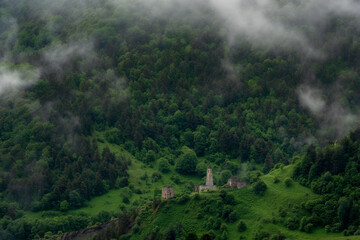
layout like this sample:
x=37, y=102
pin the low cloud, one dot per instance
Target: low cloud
x=278, y=24
x=335, y=119
x=62, y=54
x=311, y=98
x=8, y=35
x=16, y=78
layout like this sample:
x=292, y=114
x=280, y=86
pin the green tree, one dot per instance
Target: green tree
x=164, y=165
x=186, y=164
x=201, y=169
x=241, y=226
x=259, y=187
x=64, y=206
x=224, y=176
x=150, y=156
x=191, y=236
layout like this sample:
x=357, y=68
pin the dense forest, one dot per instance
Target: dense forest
x=77, y=76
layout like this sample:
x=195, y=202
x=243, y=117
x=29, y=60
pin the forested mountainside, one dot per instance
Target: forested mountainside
x=94, y=93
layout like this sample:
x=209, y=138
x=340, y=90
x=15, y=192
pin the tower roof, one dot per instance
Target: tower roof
x=209, y=167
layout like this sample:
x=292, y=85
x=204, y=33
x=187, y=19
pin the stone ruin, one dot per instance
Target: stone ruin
x=235, y=182
x=167, y=192
x=209, y=181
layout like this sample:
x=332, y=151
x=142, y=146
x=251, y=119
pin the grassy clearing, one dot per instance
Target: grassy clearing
x=142, y=191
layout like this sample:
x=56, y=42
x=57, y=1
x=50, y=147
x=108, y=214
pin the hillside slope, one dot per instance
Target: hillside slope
x=212, y=211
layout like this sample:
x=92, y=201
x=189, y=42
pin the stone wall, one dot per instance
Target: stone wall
x=235, y=182
x=206, y=187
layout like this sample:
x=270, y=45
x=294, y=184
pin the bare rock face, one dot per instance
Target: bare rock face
x=87, y=233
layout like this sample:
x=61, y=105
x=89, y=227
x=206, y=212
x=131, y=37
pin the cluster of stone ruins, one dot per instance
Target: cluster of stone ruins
x=233, y=182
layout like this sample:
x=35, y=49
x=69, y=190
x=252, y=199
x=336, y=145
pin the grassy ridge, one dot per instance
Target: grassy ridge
x=258, y=212
x=142, y=190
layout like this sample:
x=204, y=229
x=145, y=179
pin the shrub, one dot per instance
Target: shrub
x=254, y=176
x=157, y=192
x=210, y=222
x=224, y=236
x=292, y=223
x=64, y=206
x=176, y=179
x=346, y=233
x=144, y=177
x=126, y=200
x=233, y=216
x=201, y=169
x=217, y=224
x=288, y=182
x=164, y=165
x=282, y=212
x=224, y=176
x=183, y=199
x=232, y=166
x=121, y=182
x=197, y=197
x=309, y=227
x=125, y=237
x=136, y=229
x=191, y=236
x=156, y=176
x=114, y=136
x=259, y=187
x=261, y=234
x=150, y=156
x=75, y=199
x=278, y=236
x=223, y=227
x=102, y=216
x=336, y=227
x=206, y=236
x=186, y=164
x=230, y=199
x=276, y=180
x=223, y=193
x=126, y=192
x=241, y=226
x=189, y=187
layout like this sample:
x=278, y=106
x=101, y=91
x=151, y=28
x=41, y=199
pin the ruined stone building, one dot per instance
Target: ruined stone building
x=209, y=181
x=167, y=192
x=235, y=182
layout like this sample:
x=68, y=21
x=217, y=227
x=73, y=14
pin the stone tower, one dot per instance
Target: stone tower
x=209, y=181
x=167, y=192
x=209, y=177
